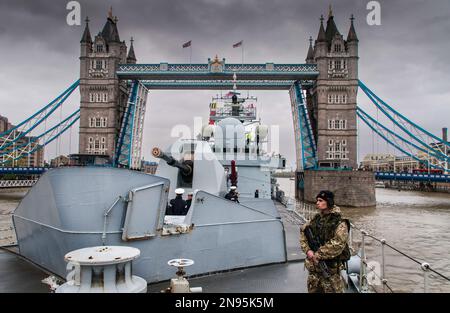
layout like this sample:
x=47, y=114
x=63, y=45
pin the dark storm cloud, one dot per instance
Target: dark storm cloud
x=404, y=60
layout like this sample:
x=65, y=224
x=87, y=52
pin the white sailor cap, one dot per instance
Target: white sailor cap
x=190, y=193
x=233, y=187
x=179, y=191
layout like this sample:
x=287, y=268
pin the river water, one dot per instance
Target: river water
x=414, y=222
x=417, y=223
x=9, y=199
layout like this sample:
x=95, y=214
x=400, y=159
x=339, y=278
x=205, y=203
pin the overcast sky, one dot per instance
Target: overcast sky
x=404, y=60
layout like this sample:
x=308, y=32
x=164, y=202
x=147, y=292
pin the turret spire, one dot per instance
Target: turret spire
x=110, y=32
x=310, y=56
x=352, y=33
x=321, y=36
x=110, y=15
x=331, y=30
x=131, y=58
x=86, y=38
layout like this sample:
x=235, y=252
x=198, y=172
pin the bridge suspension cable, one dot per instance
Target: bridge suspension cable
x=369, y=121
x=47, y=136
x=394, y=134
x=12, y=136
x=403, y=123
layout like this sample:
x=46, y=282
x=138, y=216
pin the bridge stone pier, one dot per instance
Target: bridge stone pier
x=351, y=188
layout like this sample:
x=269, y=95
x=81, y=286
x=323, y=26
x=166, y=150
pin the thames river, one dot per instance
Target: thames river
x=414, y=222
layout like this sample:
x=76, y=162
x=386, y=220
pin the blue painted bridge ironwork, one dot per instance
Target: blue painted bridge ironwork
x=217, y=75
x=439, y=178
x=23, y=170
x=222, y=84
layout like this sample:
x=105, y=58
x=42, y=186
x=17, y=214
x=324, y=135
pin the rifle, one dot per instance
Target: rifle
x=315, y=245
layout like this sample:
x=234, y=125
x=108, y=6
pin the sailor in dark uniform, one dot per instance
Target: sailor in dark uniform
x=188, y=202
x=177, y=206
x=232, y=195
x=235, y=107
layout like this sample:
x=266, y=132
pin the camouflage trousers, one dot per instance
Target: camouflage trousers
x=319, y=284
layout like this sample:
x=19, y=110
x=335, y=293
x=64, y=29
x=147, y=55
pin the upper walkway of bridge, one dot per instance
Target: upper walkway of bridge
x=218, y=75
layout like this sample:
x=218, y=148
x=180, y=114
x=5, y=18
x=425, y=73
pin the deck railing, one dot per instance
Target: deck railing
x=17, y=183
x=370, y=274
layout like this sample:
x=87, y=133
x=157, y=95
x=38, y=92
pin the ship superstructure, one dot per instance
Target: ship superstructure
x=240, y=140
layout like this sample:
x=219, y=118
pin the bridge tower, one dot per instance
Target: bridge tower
x=103, y=95
x=331, y=104
x=332, y=100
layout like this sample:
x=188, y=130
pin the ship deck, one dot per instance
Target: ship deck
x=18, y=275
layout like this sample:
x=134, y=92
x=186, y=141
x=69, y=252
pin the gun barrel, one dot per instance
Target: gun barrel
x=185, y=168
x=313, y=244
x=157, y=153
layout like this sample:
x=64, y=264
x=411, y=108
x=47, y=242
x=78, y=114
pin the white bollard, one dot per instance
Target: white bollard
x=103, y=269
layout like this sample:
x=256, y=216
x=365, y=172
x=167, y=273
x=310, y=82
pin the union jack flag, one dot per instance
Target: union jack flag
x=238, y=44
x=187, y=44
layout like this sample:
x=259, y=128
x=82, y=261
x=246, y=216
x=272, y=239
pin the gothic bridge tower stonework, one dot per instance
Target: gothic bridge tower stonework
x=331, y=104
x=103, y=96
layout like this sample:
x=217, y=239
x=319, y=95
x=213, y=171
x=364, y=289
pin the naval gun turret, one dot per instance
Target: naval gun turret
x=186, y=167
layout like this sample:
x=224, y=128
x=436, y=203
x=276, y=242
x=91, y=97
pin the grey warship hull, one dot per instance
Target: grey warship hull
x=22, y=276
x=73, y=208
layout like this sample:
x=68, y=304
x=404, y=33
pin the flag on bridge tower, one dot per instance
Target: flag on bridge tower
x=187, y=44
x=238, y=44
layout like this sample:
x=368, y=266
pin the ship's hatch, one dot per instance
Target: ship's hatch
x=144, y=211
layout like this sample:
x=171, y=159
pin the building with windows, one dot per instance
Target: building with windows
x=378, y=162
x=4, y=124
x=61, y=160
x=408, y=163
x=389, y=163
x=149, y=167
x=35, y=158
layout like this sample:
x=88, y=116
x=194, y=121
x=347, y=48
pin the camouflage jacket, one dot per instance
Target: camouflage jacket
x=330, y=249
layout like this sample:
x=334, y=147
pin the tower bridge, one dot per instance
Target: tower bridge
x=323, y=92
x=330, y=70
x=323, y=88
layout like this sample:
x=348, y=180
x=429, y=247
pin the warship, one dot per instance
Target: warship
x=251, y=245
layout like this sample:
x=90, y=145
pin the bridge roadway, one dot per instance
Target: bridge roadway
x=23, y=170
x=221, y=84
x=378, y=175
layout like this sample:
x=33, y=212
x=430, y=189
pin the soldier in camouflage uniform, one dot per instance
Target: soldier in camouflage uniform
x=331, y=230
